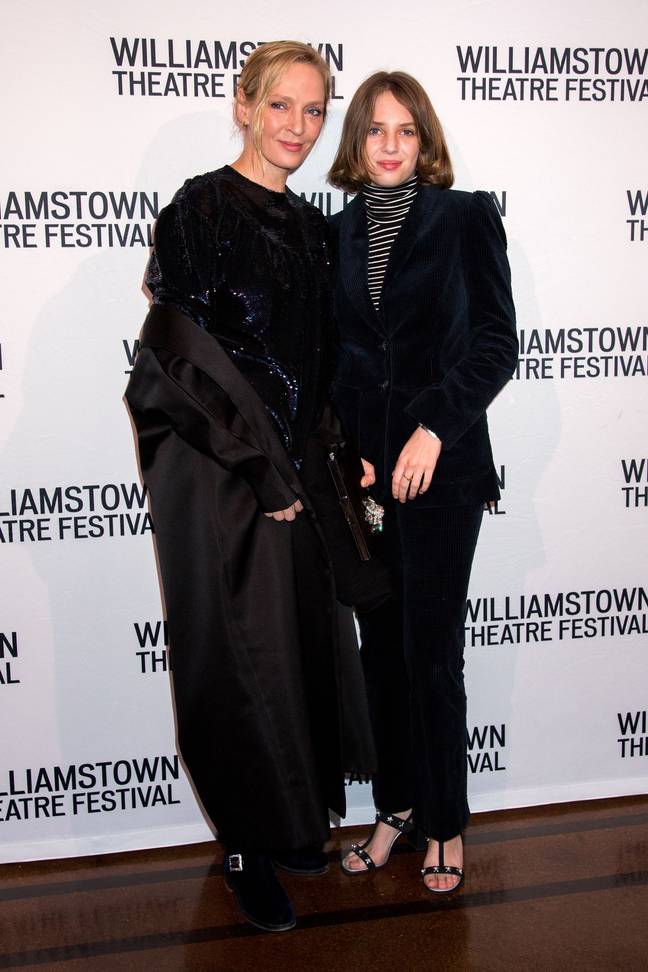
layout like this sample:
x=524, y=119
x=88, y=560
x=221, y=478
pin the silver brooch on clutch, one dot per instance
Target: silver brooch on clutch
x=373, y=514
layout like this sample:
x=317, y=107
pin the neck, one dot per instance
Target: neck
x=253, y=167
x=377, y=191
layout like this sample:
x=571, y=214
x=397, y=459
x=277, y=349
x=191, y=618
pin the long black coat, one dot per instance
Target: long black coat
x=441, y=346
x=250, y=601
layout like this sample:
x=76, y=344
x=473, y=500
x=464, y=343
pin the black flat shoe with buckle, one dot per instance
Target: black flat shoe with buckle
x=262, y=899
x=308, y=861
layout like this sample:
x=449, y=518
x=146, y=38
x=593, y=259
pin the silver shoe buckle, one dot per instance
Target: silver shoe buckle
x=235, y=862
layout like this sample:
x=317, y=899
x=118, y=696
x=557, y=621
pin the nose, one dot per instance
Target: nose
x=295, y=121
x=390, y=143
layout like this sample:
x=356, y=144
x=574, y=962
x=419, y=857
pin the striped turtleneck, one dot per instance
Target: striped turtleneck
x=386, y=210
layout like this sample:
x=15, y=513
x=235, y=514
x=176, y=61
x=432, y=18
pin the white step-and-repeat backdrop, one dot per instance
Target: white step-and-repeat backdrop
x=111, y=107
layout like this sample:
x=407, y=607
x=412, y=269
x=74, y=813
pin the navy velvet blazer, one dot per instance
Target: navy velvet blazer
x=440, y=347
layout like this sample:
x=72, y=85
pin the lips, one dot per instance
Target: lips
x=292, y=146
x=389, y=166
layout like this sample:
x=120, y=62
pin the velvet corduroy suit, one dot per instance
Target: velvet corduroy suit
x=438, y=349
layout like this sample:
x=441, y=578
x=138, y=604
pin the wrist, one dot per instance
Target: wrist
x=429, y=431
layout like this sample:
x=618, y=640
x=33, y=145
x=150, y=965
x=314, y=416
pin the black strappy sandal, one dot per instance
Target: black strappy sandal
x=442, y=868
x=399, y=825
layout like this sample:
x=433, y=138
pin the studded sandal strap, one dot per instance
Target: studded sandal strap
x=363, y=855
x=443, y=869
x=402, y=826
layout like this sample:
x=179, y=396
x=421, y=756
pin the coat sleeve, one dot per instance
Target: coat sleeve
x=453, y=405
x=184, y=265
x=166, y=393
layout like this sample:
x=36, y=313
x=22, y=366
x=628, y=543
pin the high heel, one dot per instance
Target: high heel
x=399, y=825
x=443, y=868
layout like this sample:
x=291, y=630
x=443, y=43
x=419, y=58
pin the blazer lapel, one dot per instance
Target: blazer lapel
x=354, y=251
x=414, y=226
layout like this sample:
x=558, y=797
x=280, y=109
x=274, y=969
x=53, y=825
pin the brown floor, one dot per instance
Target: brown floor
x=550, y=888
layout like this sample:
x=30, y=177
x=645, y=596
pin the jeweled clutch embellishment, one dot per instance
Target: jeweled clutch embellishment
x=373, y=514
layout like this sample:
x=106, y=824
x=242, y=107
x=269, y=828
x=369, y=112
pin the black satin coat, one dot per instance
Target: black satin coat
x=227, y=386
x=440, y=347
x=250, y=601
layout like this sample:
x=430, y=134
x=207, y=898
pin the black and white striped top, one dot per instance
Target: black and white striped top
x=386, y=211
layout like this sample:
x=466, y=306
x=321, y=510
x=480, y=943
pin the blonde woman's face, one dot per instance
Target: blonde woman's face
x=392, y=145
x=291, y=119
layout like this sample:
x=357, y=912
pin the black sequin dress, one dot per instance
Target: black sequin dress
x=269, y=698
x=250, y=266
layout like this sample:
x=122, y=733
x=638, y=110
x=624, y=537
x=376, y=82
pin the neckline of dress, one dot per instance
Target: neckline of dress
x=255, y=185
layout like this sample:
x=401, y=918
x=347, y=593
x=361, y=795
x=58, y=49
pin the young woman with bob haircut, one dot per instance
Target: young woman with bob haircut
x=229, y=383
x=427, y=339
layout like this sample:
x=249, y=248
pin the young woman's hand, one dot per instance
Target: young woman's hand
x=369, y=477
x=288, y=514
x=415, y=466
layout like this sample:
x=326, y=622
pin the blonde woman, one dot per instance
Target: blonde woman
x=229, y=382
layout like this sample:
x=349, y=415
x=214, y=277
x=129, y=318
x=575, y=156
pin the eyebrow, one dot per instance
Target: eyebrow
x=408, y=124
x=280, y=97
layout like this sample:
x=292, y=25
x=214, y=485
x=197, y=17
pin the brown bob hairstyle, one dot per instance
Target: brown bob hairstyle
x=349, y=170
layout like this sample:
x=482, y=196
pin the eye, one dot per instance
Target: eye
x=408, y=131
x=374, y=130
x=315, y=112
x=278, y=105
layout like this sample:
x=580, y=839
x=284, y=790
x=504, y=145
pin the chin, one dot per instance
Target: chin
x=292, y=162
x=388, y=179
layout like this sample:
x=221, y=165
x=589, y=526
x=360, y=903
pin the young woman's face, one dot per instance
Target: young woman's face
x=292, y=119
x=392, y=145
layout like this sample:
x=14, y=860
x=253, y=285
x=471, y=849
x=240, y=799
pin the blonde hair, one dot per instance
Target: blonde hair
x=349, y=170
x=263, y=69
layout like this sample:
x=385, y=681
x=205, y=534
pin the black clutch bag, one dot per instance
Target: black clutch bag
x=331, y=473
x=362, y=514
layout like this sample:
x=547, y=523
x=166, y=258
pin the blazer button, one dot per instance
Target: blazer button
x=384, y=386
x=384, y=346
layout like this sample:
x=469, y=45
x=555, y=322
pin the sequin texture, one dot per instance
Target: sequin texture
x=251, y=267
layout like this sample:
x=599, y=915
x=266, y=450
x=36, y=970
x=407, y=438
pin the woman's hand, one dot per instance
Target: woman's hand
x=369, y=477
x=288, y=514
x=415, y=465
